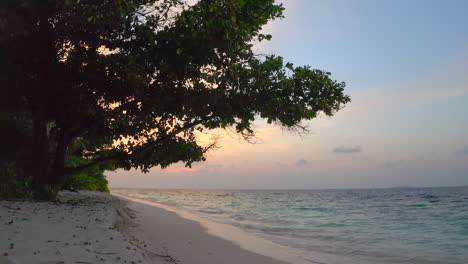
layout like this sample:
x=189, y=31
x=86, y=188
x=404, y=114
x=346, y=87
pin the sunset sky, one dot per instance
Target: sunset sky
x=406, y=68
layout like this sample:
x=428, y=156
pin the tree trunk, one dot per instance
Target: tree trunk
x=58, y=175
x=40, y=159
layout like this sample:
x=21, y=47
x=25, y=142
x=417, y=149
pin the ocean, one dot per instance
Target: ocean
x=355, y=226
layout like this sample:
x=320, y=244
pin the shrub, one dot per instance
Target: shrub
x=14, y=184
x=94, y=180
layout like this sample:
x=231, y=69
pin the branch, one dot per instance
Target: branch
x=146, y=147
x=213, y=145
x=96, y=162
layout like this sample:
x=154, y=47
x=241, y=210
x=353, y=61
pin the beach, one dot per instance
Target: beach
x=93, y=227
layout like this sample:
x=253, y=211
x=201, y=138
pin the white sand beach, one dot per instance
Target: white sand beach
x=92, y=227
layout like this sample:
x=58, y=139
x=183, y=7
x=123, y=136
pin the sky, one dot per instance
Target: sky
x=406, y=68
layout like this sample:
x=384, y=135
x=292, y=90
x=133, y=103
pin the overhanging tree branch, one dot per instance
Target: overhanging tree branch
x=140, y=151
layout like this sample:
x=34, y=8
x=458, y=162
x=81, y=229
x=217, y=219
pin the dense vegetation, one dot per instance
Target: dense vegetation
x=89, y=85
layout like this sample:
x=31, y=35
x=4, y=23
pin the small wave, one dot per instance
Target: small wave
x=332, y=225
x=414, y=205
x=320, y=209
x=302, y=208
x=289, y=232
x=211, y=212
x=429, y=196
x=239, y=218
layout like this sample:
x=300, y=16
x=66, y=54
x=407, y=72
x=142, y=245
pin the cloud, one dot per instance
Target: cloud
x=301, y=163
x=396, y=163
x=463, y=150
x=347, y=150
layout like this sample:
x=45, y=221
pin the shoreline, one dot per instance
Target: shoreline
x=93, y=227
x=204, y=241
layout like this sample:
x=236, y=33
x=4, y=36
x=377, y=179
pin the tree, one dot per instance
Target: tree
x=133, y=80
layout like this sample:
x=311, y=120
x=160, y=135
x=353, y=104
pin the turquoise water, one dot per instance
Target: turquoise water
x=426, y=225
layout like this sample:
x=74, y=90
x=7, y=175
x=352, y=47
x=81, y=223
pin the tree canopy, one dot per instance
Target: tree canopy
x=129, y=82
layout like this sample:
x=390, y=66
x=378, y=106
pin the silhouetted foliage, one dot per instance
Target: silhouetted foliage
x=133, y=80
x=92, y=178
